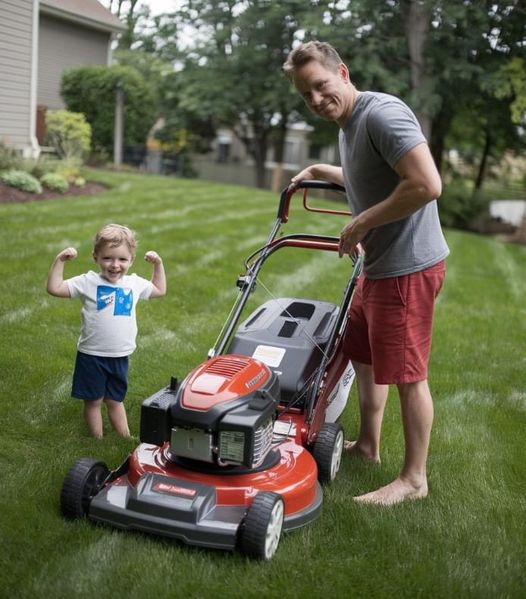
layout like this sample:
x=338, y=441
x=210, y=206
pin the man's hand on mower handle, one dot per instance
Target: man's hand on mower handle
x=304, y=175
x=350, y=237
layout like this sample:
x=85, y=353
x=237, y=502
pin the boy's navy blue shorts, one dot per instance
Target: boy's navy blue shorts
x=97, y=377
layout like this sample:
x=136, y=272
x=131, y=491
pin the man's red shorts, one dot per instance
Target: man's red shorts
x=390, y=324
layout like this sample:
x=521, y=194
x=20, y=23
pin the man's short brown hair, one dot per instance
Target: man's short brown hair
x=321, y=52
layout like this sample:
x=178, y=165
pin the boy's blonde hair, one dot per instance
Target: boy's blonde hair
x=113, y=236
x=321, y=52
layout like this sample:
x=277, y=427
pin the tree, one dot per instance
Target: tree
x=444, y=57
x=131, y=13
x=474, y=41
x=233, y=74
x=91, y=90
x=513, y=85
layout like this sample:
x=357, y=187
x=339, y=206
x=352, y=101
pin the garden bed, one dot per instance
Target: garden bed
x=10, y=194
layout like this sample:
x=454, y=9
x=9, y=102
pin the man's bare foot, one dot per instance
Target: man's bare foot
x=352, y=448
x=396, y=492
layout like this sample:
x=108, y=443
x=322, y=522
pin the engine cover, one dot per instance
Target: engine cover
x=224, y=412
x=223, y=379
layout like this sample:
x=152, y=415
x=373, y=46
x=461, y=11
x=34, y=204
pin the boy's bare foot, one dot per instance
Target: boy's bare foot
x=352, y=448
x=396, y=492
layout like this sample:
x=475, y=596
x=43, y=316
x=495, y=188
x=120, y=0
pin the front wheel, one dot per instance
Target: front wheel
x=328, y=450
x=261, y=530
x=83, y=481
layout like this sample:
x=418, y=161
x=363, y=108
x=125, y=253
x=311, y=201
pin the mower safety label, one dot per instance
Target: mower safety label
x=269, y=355
x=284, y=428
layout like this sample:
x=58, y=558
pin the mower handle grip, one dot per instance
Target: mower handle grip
x=288, y=192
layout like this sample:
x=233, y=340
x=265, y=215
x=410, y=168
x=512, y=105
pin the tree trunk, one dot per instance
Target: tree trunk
x=127, y=38
x=483, y=161
x=255, y=140
x=439, y=129
x=258, y=149
x=280, y=134
x=417, y=20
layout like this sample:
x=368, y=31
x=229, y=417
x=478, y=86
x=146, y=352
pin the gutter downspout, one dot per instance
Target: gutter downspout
x=34, y=149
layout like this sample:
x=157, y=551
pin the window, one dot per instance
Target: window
x=223, y=151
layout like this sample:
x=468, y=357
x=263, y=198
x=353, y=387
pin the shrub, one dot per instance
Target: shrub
x=459, y=206
x=55, y=182
x=69, y=170
x=9, y=159
x=44, y=165
x=69, y=133
x=21, y=180
x=92, y=91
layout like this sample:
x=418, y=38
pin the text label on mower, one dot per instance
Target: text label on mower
x=173, y=489
x=255, y=379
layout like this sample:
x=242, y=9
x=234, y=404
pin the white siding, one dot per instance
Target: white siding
x=63, y=45
x=16, y=35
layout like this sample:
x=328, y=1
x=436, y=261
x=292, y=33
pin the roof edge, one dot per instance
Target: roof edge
x=72, y=17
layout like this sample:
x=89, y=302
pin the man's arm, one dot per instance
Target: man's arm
x=419, y=184
x=323, y=172
x=55, y=282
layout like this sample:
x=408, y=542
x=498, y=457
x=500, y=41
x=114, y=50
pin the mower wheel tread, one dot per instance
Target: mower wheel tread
x=83, y=481
x=261, y=529
x=327, y=451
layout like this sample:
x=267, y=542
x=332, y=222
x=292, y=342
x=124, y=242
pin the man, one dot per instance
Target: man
x=392, y=185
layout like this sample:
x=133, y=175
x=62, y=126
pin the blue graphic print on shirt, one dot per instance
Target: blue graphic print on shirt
x=120, y=299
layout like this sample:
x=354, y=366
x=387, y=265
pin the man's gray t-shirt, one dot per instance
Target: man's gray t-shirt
x=380, y=131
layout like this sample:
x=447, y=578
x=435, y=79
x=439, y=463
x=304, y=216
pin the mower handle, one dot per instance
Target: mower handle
x=288, y=192
x=247, y=281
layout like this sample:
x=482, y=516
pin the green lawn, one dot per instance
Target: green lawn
x=468, y=539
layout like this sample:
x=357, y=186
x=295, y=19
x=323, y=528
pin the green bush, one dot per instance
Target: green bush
x=9, y=159
x=69, y=133
x=44, y=165
x=459, y=206
x=69, y=170
x=92, y=91
x=21, y=180
x=55, y=182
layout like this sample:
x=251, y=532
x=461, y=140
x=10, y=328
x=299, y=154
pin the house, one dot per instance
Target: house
x=39, y=39
x=229, y=161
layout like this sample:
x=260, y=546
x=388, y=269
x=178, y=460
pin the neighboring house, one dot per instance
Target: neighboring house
x=230, y=162
x=39, y=39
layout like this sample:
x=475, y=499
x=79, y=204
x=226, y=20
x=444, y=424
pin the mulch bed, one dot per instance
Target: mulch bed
x=12, y=195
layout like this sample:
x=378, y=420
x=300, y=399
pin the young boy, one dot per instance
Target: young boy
x=109, y=325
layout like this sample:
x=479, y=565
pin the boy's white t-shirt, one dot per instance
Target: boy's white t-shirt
x=109, y=324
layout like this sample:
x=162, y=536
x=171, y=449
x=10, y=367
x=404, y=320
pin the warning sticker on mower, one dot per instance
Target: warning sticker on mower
x=269, y=355
x=284, y=428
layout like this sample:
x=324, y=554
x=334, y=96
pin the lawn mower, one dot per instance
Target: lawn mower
x=237, y=452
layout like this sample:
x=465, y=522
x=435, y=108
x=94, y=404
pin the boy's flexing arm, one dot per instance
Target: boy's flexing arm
x=158, y=276
x=55, y=282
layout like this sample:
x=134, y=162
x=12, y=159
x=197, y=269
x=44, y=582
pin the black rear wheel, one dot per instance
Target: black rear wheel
x=328, y=450
x=83, y=481
x=261, y=530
